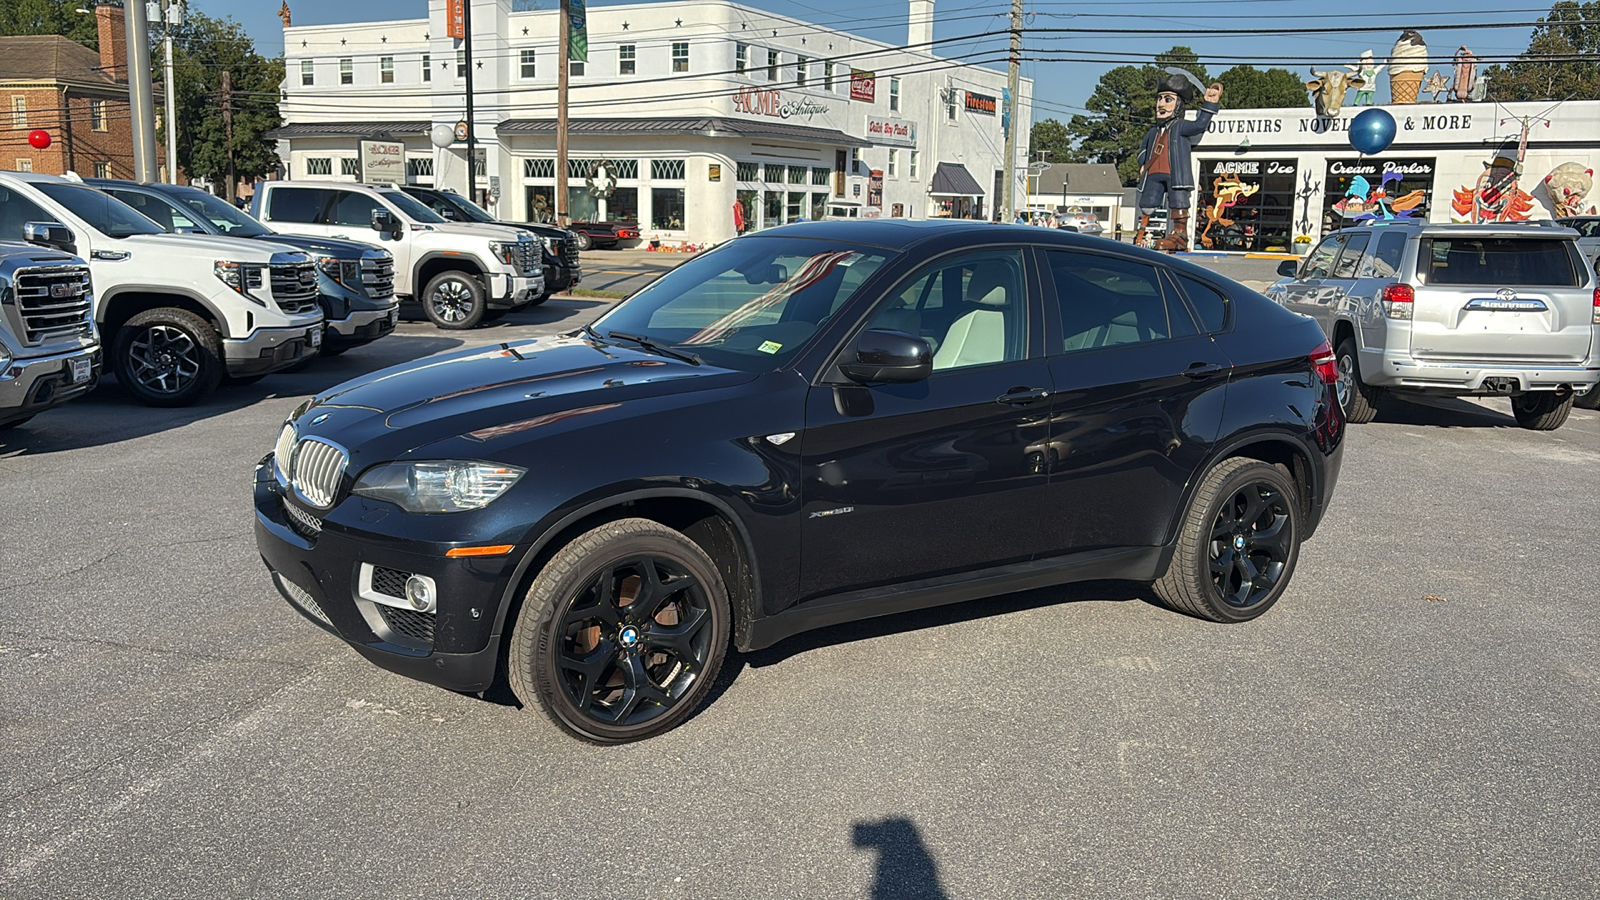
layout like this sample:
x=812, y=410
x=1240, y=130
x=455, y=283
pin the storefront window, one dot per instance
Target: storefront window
x=541, y=203
x=819, y=206
x=1365, y=190
x=581, y=205
x=623, y=205
x=796, y=207
x=774, y=209
x=666, y=209
x=1245, y=205
x=750, y=205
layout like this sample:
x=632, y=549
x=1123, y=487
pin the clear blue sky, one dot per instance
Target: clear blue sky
x=1062, y=86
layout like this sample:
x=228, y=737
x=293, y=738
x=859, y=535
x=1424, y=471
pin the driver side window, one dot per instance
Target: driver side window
x=352, y=210
x=971, y=309
x=17, y=211
x=1320, y=260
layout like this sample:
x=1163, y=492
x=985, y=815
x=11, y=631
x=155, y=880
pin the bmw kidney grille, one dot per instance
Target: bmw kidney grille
x=317, y=468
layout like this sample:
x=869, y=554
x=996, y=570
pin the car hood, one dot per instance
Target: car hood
x=479, y=229
x=321, y=246
x=229, y=248
x=488, y=398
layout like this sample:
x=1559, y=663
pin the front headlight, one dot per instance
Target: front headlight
x=345, y=271
x=437, y=486
x=505, y=252
x=242, y=277
x=5, y=359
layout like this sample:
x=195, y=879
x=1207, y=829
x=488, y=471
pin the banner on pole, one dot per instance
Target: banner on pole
x=455, y=14
x=578, y=31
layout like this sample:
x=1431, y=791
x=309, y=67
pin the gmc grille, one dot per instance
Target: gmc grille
x=569, y=249
x=377, y=277
x=530, y=257
x=294, y=287
x=52, y=303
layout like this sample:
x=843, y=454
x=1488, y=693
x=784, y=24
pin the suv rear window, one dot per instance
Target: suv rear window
x=1504, y=262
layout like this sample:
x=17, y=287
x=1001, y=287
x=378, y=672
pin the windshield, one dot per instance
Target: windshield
x=220, y=213
x=411, y=207
x=102, y=212
x=751, y=303
x=1501, y=262
x=464, y=207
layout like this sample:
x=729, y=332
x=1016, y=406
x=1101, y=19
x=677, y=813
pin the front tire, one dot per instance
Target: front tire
x=1542, y=410
x=622, y=634
x=584, y=241
x=168, y=357
x=454, y=301
x=1359, y=401
x=1238, y=544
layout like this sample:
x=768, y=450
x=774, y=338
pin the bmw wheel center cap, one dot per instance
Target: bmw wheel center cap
x=629, y=636
x=1238, y=542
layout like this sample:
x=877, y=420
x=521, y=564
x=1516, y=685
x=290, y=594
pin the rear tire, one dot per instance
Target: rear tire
x=168, y=357
x=621, y=635
x=1360, y=402
x=1238, y=543
x=584, y=241
x=1590, y=400
x=1541, y=411
x=455, y=301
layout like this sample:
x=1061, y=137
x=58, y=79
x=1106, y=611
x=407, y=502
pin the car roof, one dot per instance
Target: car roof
x=1540, y=228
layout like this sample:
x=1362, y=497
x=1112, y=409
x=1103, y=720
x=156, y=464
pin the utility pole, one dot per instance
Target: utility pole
x=139, y=99
x=171, y=14
x=472, y=138
x=227, y=127
x=1009, y=195
x=563, y=214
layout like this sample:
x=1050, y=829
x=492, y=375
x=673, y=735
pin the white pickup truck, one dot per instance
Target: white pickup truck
x=461, y=273
x=177, y=312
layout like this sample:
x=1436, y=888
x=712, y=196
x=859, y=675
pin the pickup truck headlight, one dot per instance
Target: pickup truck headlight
x=242, y=277
x=345, y=271
x=5, y=360
x=505, y=251
x=437, y=486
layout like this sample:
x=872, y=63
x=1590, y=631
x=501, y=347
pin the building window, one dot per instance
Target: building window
x=749, y=171
x=427, y=67
x=308, y=74
x=627, y=60
x=386, y=69
x=348, y=165
x=19, y=112
x=319, y=165
x=528, y=58
x=913, y=172
x=827, y=77
x=797, y=174
x=25, y=165
x=802, y=68
x=773, y=172
x=419, y=167
x=741, y=58
x=347, y=73
x=894, y=164
x=680, y=56
x=666, y=209
x=666, y=169
x=951, y=103
x=575, y=68
x=772, y=65
x=102, y=170
x=97, y=115
x=894, y=95
x=820, y=175
x=461, y=63
x=538, y=168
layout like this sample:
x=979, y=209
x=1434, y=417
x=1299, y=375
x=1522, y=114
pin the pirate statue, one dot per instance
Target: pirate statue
x=1165, y=176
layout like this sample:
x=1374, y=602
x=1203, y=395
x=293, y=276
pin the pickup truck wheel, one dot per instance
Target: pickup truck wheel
x=168, y=357
x=584, y=241
x=1541, y=410
x=621, y=635
x=1238, y=543
x=454, y=300
x=1360, y=402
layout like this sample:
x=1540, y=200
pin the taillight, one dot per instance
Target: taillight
x=1398, y=300
x=1596, y=318
x=1326, y=364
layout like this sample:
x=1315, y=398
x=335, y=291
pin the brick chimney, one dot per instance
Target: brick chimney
x=113, y=41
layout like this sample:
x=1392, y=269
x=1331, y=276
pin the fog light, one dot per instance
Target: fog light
x=419, y=593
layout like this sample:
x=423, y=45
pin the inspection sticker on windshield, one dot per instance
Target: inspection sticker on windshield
x=770, y=347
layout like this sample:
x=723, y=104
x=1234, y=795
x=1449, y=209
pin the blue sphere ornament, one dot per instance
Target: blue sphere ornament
x=1372, y=131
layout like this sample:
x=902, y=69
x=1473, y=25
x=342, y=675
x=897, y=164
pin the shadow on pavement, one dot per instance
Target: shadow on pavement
x=905, y=869
x=1442, y=412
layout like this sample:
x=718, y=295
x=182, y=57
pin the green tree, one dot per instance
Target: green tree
x=204, y=48
x=1562, y=61
x=50, y=17
x=1247, y=87
x=1052, y=138
x=1122, y=108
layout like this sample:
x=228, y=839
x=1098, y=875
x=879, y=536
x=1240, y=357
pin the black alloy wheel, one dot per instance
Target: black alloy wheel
x=454, y=300
x=1238, y=545
x=168, y=357
x=622, y=634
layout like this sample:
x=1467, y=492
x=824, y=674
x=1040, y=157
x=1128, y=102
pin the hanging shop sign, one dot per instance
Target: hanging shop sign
x=891, y=132
x=875, y=189
x=863, y=86
x=456, y=19
x=982, y=104
x=1250, y=167
x=383, y=162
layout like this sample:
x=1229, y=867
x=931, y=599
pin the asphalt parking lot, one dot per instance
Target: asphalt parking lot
x=1415, y=719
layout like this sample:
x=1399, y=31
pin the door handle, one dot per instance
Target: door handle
x=1022, y=396
x=1202, y=369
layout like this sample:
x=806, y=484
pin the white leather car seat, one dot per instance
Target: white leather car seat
x=979, y=337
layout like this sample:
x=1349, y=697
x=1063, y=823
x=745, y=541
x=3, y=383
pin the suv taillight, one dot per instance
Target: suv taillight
x=1596, y=319
x=1398, y=300
x=1326, y=364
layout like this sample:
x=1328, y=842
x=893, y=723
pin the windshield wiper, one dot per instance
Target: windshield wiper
x=648, y=344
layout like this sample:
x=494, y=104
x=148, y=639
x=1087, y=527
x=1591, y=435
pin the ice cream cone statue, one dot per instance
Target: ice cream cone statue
x=1408, y=63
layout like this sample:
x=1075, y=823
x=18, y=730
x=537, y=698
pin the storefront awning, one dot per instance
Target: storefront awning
x=953, y=180
x=708, y=127
x=379, y=130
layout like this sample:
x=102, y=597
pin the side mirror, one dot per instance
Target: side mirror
x=449, y=214
x=384, y=223
x=54, y=235
x=892, y=357
x=1288, y=268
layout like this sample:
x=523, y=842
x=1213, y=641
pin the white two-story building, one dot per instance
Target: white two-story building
x=681, y=111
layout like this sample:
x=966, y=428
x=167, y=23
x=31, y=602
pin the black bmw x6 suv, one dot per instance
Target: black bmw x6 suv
x=805, y=426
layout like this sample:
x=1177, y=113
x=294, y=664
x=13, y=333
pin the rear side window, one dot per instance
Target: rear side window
x=1499, y=262
x=1350, y=258
x=301, y=205
x=1210, y=304
x=1385, y=261
x=1107, y=302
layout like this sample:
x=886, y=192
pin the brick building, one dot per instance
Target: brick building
x=77, y=95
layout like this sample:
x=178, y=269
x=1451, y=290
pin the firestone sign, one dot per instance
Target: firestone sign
x=981, y=103
x=891, y=132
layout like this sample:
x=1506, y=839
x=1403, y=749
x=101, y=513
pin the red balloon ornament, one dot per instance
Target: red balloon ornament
x=39, y=139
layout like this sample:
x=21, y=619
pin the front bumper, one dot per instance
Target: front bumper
x=320, y=570
x=363, y=326
x=31, y=386
x=512, y=291
x=271, y=349
x=1483, y=378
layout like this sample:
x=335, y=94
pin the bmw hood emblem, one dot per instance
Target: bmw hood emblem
x=320, y=419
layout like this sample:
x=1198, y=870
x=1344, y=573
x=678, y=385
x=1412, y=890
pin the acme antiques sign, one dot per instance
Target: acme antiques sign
x=771, y=103
x=982, y=104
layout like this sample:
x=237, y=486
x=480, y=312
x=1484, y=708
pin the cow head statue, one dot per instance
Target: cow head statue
x=1328, y=89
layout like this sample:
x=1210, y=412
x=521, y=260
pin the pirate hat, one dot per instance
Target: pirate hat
x=1177, y=84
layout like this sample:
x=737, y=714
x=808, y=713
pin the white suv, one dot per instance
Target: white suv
x=177, y=312
x=461, y=273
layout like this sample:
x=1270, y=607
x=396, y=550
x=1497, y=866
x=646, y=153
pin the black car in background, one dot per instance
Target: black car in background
x=806, y=426
x=355, y=281
x=562, y=268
